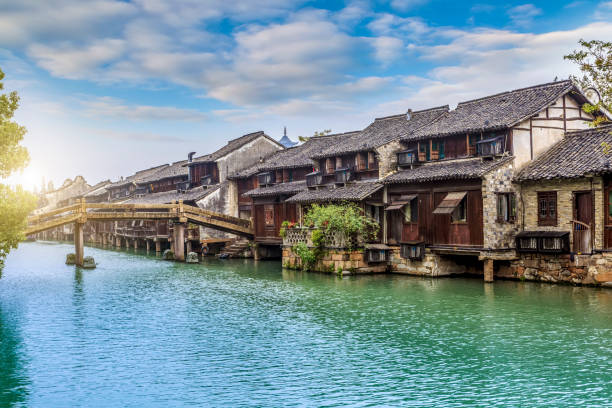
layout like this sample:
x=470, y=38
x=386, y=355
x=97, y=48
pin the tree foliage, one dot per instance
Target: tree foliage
x=15, y=203
x=594, y=59
x=316, y=134
x=347, y=218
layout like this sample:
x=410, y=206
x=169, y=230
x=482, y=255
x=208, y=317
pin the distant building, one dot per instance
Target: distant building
x=285, y=141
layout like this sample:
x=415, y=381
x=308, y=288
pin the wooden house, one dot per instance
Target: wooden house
x=126, y=187
x=263, y=189
x=453, y=192
x=168, y=178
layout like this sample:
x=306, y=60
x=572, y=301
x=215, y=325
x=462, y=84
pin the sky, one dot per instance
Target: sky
x=109, y=87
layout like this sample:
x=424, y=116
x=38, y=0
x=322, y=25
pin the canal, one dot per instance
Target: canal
x=141, y=332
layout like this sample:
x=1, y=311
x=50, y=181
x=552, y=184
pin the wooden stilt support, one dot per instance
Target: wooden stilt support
x=158, y=246
x=148, y=245
x=488, y=270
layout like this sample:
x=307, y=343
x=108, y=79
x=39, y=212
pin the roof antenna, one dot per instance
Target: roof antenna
x=285, y=131
x=556, y=77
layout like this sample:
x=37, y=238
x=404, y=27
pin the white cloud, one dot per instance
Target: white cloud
x=76, y=62
x=392, y=25
x=481, y=62
x=524, y=14
x=387, y=49
x=405, y=5
x=112, y=108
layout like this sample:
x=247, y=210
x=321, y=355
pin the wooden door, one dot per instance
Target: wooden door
x=607, y=217
x=582, y=229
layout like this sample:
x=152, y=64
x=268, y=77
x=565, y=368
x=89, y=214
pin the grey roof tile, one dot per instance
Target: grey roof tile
x=167, y=197
x=497, y=111
x=351, y=192
x=278, y=189
x=383, y=131
x=294, y=157
x=174, y=170
x=579, y=154
x=231, y=146
x=446, y=170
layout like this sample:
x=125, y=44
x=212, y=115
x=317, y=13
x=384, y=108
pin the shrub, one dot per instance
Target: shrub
x=306, y=255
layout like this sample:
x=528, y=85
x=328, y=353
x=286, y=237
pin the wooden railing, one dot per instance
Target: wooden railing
x=582, y=237
x=177, y=212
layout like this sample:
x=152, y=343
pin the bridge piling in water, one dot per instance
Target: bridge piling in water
x=78, y=243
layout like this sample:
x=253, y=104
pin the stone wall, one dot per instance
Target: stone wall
x=246, y=156
x=498, y=235
x=565, y=205
x=336, y=261
x=433, y=265
x=593, y=269
x=387, y=158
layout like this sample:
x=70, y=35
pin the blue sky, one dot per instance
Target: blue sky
x=109, y=87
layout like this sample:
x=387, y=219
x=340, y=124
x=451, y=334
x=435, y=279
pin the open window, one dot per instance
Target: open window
x=408, y=206
x=506, y=207
x=455, y=205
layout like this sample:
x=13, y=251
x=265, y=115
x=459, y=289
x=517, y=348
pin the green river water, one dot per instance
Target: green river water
x=141, y=332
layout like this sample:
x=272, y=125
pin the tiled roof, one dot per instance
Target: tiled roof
x=167, y=197
x=139, y=175
x=383, y=131
x=351, y=192
x=294, y=157
x=579, y=154
x=98, y=189
x=174, y=170
x=446, y=170
x=233, y=145
x=278, y=189
x=497, y=111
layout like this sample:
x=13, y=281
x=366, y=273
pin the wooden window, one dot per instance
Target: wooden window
x=371, y=160
x=506, y=207
x=547, y=208
x=411, y=211
x=330, y=165
x=460, y=212
x=269, y=215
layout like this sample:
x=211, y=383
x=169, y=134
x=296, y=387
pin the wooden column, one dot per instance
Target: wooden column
x=179, y=241
x=188, y=246
x=135, y=243
x=148, y=245
x=488, y=270
x=158, y=246
x=78, y=243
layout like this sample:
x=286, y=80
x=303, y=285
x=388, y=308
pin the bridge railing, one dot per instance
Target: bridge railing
x=112, y=211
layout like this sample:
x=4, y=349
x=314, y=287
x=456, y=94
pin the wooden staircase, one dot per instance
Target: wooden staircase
x=235, y=249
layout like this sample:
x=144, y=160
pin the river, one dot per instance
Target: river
x=142, y=332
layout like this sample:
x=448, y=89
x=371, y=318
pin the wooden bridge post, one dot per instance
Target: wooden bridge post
x=78, y=243
x=179, y=241
x=78, y=233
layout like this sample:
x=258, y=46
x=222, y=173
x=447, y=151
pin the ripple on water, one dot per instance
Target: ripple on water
x=138, y=331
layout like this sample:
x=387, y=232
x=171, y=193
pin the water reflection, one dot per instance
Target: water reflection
x=13, y=377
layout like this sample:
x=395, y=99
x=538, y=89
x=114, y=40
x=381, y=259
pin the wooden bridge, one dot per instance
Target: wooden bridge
x=179, y=213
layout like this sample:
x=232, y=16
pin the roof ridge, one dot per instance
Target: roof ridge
x=390, y=116
x=587, y=130
x=566, y=81
x=442, y=107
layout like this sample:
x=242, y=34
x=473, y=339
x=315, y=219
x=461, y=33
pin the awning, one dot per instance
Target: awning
x=450, y=202
x=404, y=200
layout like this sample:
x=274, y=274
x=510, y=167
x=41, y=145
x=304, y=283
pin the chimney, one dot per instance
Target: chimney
x=285, y=131
x=409, y=114
x=190, y=157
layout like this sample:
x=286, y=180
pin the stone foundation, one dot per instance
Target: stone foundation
x=434, y=265
x=593, y=269
x=336, y=261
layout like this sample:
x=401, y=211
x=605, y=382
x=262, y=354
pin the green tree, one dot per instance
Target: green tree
x=15, y=202
x=594, y=59
x=316, y=134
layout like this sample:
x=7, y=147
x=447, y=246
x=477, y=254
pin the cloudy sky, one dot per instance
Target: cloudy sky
x=109, y=87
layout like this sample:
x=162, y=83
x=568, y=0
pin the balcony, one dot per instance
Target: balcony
x=490, y=147
x=314, y=179
x=407, y=158
x=344, y=175
x=206, y=180
x=265, y=179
